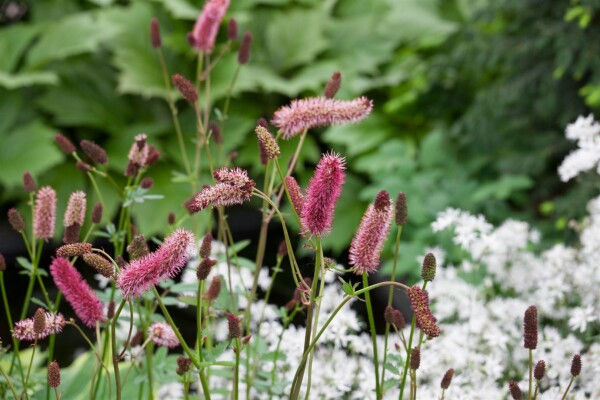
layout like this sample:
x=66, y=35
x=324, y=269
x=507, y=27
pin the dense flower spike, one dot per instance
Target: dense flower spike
x=295, y=194
x=74, y=249
x=447, y=379
x=15, y=219
x=28, y=183
x=138, y=155
x=515, y=390
x=207, y=25
x=94, y=152
x=155, y=33
x=214, y=289
x=39, y=322
x=530, y=328
x=24, y=330
x=312, y=112
x=333, y=85
x=97, y=213
x=428, y=268
x=235, y=328
x=401, y=209
x=233, y=187
x=245, y=47
x=324, y=189
x=163, y=335
x=232, y=29
x=186, y=88
x=44, y=217
x=419, y=301
x=368, y=241
x=78, y=293
x=75, y=213
x=71, y=234
x=267, y=143
x=166, y=262
x=415, y=358
x=204, y=268
x=183, y=365
x=394, y=317
x=206, y=246
x=65, y=144
x=53, y=374
x=110, y=310
x=540, y=370
x=138, y=247
x=576, y=365
x=100, y=264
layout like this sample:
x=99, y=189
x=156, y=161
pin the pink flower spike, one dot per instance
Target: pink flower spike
x=207, y=25
x=76, y=290
x=75, y=213
x=319, y=111
x=233, y=187
x=44, y=217
x=23, y=330
x=322, y=193
x=371, y=234
x=295, y=194
x=163, y=335
x=166, y=262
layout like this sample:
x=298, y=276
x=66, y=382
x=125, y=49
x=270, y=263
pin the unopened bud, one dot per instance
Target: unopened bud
x=110, y=312
x=65, y=144
x=54, y=374
x=155, y=33
x=97, y=213
x=204, y=268
x=83, y=166
x=74, y=249
x=401, y=209
x=515, y=390
x=171, y=219
x=232, y=29
x=147, y=183
x=245, y=47
x=233, y=323
x=15, y=219
x=540, y=370
x=215, y=132
x=138, y=247
x=576, y=365
x=71, y=234
x=333, y=85
x=39, y=322
x=206, y=246
x=28, y=183
x=415, y=358
x=96, y=153
x=100, y=264
x=186, y=88
x=429, y=267
x=447, y=379
x=246, y=339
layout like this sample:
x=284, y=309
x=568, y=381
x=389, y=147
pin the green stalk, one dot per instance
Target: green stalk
x=530, y=393
x=390, y=298
x=285, y=325
x=236, y=370
x=568, y=388
x=10, y=384
x=149, y=353
x=373, y=335
x=16, y=353
x=115, y=357
x=29, y=369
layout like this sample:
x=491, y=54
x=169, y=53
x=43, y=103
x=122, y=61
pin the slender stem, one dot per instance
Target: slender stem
x=10, y=325
x=229, y=91
x=236, y=370
x=443, y=394
x=96, y=189
x=199, y=319
x=537, y=388
x=530, y=392
x=31, y=281
x=373, y=335
x=8, y=381
x=56, y=394
x=113, y=340
x=568, y=388
x=149, y=354
x=29, y=369
x=390, y=298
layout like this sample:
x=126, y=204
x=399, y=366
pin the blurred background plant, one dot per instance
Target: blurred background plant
x=471, y=98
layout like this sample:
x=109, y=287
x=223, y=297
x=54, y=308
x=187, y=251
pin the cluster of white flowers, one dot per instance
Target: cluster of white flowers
x=586, y=132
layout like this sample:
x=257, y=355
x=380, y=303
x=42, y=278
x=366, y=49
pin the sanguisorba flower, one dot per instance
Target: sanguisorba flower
x=311, y=112
x=371, y=234
x=44, y=217
x=324, y=189
x=419, y=301
x=163, y=335
x=233, y=187
x=76, y=290
x=24, y=329
x=207, y=25
x=166, y=262
x=75, y=213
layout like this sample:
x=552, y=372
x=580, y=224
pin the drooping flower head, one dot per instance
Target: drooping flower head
x=75, y=213
x=163, y=335
x=426, y=322
x=312, y=112
x=74, y=249
x=44, y=217
x=233, y=187
x=323, y=192
x=207, y=25
x=24, y=330
x=371, y=234
x=166, y=262
x=76, y=290
x=296, y=194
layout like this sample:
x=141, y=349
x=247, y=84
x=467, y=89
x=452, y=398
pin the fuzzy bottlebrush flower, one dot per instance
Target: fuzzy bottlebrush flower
x=74, y=249
x=163, y=335
x=53, y=374
x=233, y=187
x=267, y=143
x=207, y=25
x=371, y=234
x=24, y=330
x=44, y=217
x=324, y=189
x=419, y=301
x=295, y=194
x=75, y=213
x=15, y=219
x=319, y=111
x=78, y=293
x=530, y=328
x=166, y=262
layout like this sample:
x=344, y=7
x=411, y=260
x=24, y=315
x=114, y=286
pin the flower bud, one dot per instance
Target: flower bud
x=447, y=379
x=214, y=289
x=186, y=88
x=74, y=249
x=515, y=390
x=96, y=153
x=401, y=210
x=83, y=166
x=54, y=374
x=39, y=322
x=333, y=85
x=15, y=219
x=530, y=328
x=539, y=370
x=65, y=144
x=415, y=358
x=97, y=213
x=110, y=312
x=576, y=365
x=147, y=183
x=171, y=218
x=100, y=264
x=215, y=132
x=206, y=246
x=204, y=268
x=2, y=263
x=428, y=268
x=235, y=328
x=138, y=247
x=28, y=183
x=155, y=33
x=245, y=47
x=232, y=29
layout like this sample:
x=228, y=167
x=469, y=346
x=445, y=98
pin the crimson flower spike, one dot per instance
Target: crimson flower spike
x=322, y=194
x=371, y=234
x=166, y=262
x=319, y=111
x=207, y=25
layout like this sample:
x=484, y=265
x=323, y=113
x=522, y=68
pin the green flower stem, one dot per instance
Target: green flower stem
x=199, y=319
x=229, y=92
x=115, y=356
x=390, y=298
x=330, y=319
x=568, y=388
x=29, y=370
x=236, y=369
x=373, y=334
x=96, y=189
x=285, y=325
x=530, y=392
x=32, y=278
x=8, y=381
x=16, y=354
x=149, y=371
x=173, y=109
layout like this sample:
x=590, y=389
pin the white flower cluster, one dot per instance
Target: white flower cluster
x=586, y=132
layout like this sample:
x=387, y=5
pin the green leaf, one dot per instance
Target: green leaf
x=24, y=79
x=361, y=137
x=502, y=188
x=27, y=148
x=14, y=41
x=76, y=34
x=180, y=9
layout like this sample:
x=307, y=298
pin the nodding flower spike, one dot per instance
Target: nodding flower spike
x=370, y=236
x=233, y=187
x=24, y=329
x=207, y=25
x=74, y=250
x=44, y=217
x=319, y=111
x=186, y=88
x=322, y=194
x=419, y=301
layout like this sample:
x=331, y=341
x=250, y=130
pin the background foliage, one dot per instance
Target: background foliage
x=470, y=97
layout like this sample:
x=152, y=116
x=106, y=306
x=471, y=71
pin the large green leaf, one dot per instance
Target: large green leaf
x=13, y=42
x=14, y=81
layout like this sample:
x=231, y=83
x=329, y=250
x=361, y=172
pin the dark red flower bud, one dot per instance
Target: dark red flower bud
x=245, y=47
x=171, y=219
x=147, y=183
x=530, y=328
x=71, y=234
x=153, y=156
x=96, y=153
x=401, y=210
x=214, y=289
x=576, y=365
x=15, y=219
x=415, y=358
x=110, y=312
x=215, y=132
x=186, y=88
x=100, y=264
x=204, y=268
x=206, y=246
x=65, y=144
x=282, y=250
x=155, y=33
x=429, y=267
x=54, y=374
x=39, y=322
x=333, y=85
x=539, y=370
x=235, y=328
x=183, y=365
x=97, y=213
x=83, y=166
x=28, y=183
x=515, y=390
x=138, y=247
x=447, y=379
x=232, y=29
